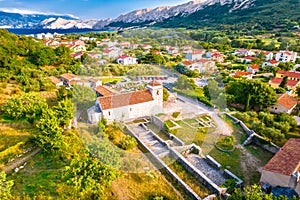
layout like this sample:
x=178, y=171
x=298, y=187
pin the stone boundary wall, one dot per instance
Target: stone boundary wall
x=197, y=173
x=159, y=123
x=273, y=148
x=163, y=167
x=229, y=174
x=212, y=162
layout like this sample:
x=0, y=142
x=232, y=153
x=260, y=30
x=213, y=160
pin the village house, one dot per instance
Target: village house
x=112, y=53
x=270, y=63
x=244, y=52
x=192, y=65
x=126, y=60
x=253, y=68
x=284, y=168
x=77, y=55
x=94, y=82
x=292, y=83
x=186, y=49
x=124, y=44
x=285, y=104
x=269, y=55
x=172, y=50
x=69, y=79
x=247, y=59
x=241, y=74
x=56, y=81
x=218, y=57
x=128, y=106
x=195, y=55
x=286, y=56
x=77, y=47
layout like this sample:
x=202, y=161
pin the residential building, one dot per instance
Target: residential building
x=126, y=60
x=291, y=84
x=240, y=74
x=284, y=168
x=69, y=79
x=271, y=63
x=244, y=52
x=286, y=56
x=195, y=55
x=269, y=55
x=285, y=104
x=56, y=81
x=253, y=68
x=128, y=106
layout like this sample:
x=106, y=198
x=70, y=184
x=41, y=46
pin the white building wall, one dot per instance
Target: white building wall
x=275, y=179
x=132, y=111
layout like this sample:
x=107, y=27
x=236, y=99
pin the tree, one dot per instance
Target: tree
x=49, y=136
x=283, y=82
x=165, y=94
x=64, y=112
x=26, y=106
x=5, y=187
x=89, y=177
x=253, y=192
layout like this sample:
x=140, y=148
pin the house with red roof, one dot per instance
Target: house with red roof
x=69, y=79
x=286, y=56
x=127, y=106
x=195, y=55
x=269, y=55
x=253, y=68
x=284, y=168
x=57, y=82
x=285, y=104
x=292, y=83
x=271, y=63
x=126, y=60
x=241, y=74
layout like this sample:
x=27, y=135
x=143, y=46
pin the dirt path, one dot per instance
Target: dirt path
x=19, y=162
x=248, y=161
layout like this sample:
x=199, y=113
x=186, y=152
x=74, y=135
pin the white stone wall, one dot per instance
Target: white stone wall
x=132, y=111
x=274, y=179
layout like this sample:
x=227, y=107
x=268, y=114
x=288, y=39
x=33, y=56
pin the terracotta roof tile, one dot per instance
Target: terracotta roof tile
x=120, y=100
x=54, y=80
x=240, y=74
x=286, y=161
x=68, y=76
x=103, y=90
x=254, y=66
x=154, y=83
x=289, y=74
x=287, y=101
x=187, y=62
x=290, y=83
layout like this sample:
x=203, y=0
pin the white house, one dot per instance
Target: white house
x=126, y=60
x=128, y=106
x=283, y=169
x=269, y=55
x=56, y=81
x=195, y=55
x=286, y=56
x=69, y=79
x=271, y=63
x=78, y=48
x=112, y=53
x=244, y=52
x=285, y=104
x=253, y=68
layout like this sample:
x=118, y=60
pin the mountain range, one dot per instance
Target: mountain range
x=194, y=14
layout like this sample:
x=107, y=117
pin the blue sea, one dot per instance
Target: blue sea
x=60, y=31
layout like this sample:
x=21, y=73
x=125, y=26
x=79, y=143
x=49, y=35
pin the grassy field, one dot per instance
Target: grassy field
x=110, y=80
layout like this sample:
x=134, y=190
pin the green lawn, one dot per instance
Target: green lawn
x=110, y=80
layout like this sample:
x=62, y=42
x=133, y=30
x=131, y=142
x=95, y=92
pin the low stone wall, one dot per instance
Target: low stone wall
x=273, y=148
x=229, y=174
x=159, y=123
x=212, y=162
x=197, y=173
x=164, y=168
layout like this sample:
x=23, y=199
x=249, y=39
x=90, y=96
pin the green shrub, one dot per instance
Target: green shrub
x=127, y=142
x=175, y=114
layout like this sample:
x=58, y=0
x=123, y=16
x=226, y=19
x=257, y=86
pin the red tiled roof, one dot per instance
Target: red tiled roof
x=239, y=74
x=290, y=83
x=54, y=80
x=289, y=74
x=103, y=90
x=187, y=62
x=68, y=76
x=249, y=57
x=154, y=83
x=287, y=101
x=286, y=161
x=254, y=66
x=120, y=100
x=123, y=57
x=273, y=62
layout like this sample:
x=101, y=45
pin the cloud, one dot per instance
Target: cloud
x=32, y=12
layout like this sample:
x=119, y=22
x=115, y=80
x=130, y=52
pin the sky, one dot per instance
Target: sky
x=84, y=9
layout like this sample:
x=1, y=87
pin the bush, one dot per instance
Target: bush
x=127, y=142
x=175, y=114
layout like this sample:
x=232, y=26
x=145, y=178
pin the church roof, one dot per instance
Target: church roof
x=154, y=83
x=126, y=99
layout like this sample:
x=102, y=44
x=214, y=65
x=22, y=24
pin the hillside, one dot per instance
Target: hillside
x=270, y=14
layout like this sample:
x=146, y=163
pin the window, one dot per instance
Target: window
x=109, y=113
x=130, y=109
x=157, y=92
